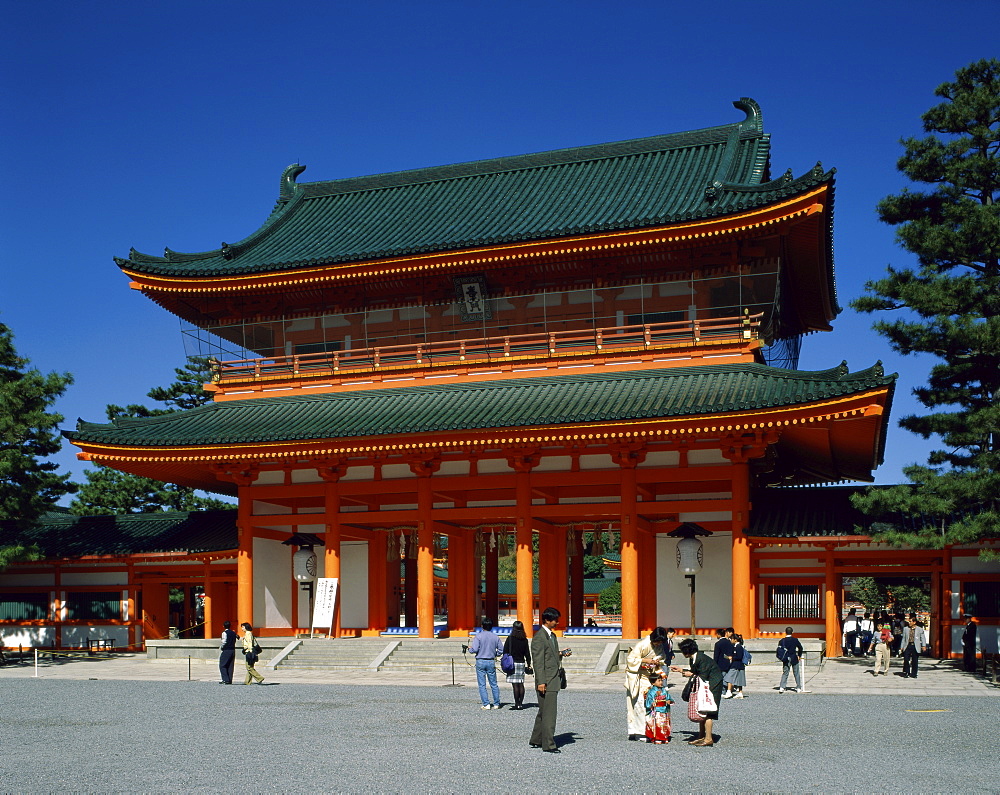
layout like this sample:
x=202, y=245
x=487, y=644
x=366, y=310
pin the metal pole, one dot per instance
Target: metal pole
x=189, y=668
x=36, y=663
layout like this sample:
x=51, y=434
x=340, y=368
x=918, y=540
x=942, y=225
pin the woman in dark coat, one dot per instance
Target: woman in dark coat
x=704, y=668
x=517, y=647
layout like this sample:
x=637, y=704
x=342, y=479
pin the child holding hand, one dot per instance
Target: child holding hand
x=658, y=703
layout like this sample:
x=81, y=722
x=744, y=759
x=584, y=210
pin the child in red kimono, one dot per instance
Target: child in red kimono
x=658, y=703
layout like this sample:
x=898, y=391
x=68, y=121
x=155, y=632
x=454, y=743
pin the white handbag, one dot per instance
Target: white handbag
x=704, y=700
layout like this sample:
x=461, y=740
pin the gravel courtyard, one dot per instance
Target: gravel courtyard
x=137, y=736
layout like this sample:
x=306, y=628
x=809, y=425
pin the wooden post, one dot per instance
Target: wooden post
x=831, y=587
x=522, y=462
x=244, y=559
x=423, y=468
x=741, y=548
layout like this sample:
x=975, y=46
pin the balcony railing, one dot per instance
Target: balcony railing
x=494, y=350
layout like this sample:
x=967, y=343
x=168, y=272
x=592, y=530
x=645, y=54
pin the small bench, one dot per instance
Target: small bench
x=94, y=645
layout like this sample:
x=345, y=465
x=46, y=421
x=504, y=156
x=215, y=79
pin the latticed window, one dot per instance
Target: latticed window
x=24, y=606
x=90, y=605
x=793, y=601
x=982, y=598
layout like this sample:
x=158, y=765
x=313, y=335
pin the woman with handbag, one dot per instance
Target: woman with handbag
x=518, y=648
x=707, y=690
x=251, y=652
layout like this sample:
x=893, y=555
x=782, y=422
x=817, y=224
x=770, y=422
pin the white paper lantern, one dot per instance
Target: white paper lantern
x=304, y=565
x=690, y=556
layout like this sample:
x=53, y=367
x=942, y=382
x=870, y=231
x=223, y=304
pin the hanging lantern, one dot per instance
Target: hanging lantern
x=690, y=555
x=690, y=552
x=304, y=565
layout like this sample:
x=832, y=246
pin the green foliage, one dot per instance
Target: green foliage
x=28, y=433
x=16, y=553
x=108, y=491
x=949, y=307
x=909, y=597
x=610, y=601
x=872, y=594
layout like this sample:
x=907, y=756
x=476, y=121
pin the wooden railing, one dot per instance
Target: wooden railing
x=725, y=330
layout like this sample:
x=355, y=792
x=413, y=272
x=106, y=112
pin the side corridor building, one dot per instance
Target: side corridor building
x=440, y=363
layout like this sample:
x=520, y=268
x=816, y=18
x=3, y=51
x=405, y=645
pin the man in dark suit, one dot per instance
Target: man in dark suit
x=227, y=656
x=546, y=659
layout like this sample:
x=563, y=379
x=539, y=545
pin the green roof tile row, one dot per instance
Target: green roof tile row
x=513, y=403
x=70, y=536
x=608, y=187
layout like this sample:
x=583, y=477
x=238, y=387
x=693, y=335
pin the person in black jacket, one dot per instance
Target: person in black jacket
x=705, y=669
x=227, y=655
x=517, y=647
x=790, y=653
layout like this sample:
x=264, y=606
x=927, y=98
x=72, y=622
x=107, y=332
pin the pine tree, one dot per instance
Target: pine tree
x=949, y=307
x=28, y=433
x=109, y=491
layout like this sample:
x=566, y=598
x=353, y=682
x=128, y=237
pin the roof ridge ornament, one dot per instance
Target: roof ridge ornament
x=287, y=186
x=754, y=122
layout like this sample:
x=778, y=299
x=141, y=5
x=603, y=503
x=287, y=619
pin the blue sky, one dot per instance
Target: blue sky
x=168, y=124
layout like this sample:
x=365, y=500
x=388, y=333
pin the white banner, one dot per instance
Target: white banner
x=325, y=600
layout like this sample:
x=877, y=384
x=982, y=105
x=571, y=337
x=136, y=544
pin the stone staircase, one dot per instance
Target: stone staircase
x=431, y=656
x=345, y=654
x=413, y=655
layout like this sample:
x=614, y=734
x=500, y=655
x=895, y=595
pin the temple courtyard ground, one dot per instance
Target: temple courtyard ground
x=126, y=725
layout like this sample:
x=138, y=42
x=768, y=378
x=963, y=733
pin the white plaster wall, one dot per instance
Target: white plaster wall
x=661, y=458
x=77, y=635
x=973, y=565
x=713, y=590
x=269, y=477
x=261, y=508
x=554, y=463
x=272, y=583
x=359, y=473
x=453, y=468
x=354, y=584
x=710, y=456
x=491, y=465
x=99, y=578
x=397, y=471
x=305, y=476
x=29, y=636
x=31, y=578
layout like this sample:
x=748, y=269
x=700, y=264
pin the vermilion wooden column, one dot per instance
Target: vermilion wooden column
x=741, y=548
x=244, y=558
x=522, y=462
x=425, y=545
x=208, y=614
x=946, y=619
x=628, y=457
x=831, y=605
x=377, y=607
x=331, y=560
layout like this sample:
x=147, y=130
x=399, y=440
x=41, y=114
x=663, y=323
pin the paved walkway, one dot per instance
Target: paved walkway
x=834, y=677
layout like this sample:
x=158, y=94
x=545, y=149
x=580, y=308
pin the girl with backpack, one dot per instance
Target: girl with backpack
x=736, y=677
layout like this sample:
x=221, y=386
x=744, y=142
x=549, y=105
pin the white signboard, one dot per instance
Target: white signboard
x=326, y=599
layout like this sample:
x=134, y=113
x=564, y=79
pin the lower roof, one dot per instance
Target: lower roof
x=501, y=404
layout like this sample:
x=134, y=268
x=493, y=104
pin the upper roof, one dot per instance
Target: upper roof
x=513, y=403
x=645, y=182
x=68, y=536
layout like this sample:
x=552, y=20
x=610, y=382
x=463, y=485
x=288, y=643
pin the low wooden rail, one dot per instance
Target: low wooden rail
x=495, y=349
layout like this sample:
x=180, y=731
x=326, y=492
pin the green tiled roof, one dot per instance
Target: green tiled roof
x=514, y=403
x=632, y=184
x=67, y=536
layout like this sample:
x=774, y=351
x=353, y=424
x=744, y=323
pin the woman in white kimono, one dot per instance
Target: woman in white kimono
x=647, y=656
